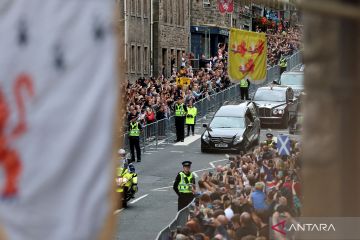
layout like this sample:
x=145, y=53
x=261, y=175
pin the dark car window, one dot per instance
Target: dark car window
x=227, y=122
x=270, y=95
x=292, y=79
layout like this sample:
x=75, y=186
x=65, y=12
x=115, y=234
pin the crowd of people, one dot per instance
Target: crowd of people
x=237, y=201
x=153, y=99
x=284, y=43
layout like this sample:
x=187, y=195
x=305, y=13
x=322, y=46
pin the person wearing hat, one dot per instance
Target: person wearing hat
x=244, y=88
x=184, y=186
x=134, y=138
x=269, y=141
x=180, y=113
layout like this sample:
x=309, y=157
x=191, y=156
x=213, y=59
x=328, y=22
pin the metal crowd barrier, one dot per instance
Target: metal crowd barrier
x=180, y=220
x=163, y=131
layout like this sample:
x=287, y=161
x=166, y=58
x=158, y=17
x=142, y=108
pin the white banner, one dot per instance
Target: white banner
x=57, y=102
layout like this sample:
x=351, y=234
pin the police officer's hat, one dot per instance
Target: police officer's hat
x=269, y=135
x=186, y=163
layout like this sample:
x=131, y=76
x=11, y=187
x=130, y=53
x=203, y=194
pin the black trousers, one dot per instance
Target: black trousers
x=244, y=93
x=184, y=200
x=179, y=125
x=282, y=69
x=192, y=126
x=135, y=144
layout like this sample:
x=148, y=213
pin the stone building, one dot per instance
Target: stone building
x=171, y=37
x=137, y=17
x=209, y=27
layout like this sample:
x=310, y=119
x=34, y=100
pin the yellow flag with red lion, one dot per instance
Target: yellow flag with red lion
x=247, y=55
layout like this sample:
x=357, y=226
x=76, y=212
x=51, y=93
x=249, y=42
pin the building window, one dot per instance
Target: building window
x=145, y=7
x=165, y=15
x=132, y=7
x=206, y=3
x=132, y=59
x=179, y=10
x=234, y=22
x=164, y=62
x=138, y=59
x=183, y=3
x=178, y=55
x=171, y=11
x=138, y=8
x=146, y=60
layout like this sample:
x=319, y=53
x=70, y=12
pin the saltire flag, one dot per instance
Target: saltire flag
x=58, y=92
x=247, y=56
x=226, y=6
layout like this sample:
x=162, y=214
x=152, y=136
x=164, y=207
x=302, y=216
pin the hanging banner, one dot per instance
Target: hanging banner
x=226, y=6
x=57, y=102
x=247, y=56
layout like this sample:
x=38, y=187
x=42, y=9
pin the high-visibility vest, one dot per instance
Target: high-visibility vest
x=190, y=116
x=270, y=143
x=134, y=129
x=283, y=62
x=244, y=83
x=185, y=185
x=179, y=110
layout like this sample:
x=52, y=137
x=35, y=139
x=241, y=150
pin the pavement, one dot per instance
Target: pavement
x=155, y=205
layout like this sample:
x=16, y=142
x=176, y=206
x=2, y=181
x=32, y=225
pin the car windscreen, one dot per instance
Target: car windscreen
x=292, y=79
x=227, y=122
x=270, y=95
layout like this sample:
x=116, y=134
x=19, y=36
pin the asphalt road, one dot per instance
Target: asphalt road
x=155, y=205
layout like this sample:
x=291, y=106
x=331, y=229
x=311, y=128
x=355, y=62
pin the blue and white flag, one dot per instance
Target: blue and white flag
x=283, y=145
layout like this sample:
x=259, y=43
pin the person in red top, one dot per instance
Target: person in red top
x=150, y=116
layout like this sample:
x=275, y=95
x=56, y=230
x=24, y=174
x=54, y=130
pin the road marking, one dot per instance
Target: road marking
x=157, y=148
x=221, y=160
x=135, y=200
x=188, y=140
x=151, y=151
x=147, y=153
x=118, y=211
x=162, y=188
x=177, y=151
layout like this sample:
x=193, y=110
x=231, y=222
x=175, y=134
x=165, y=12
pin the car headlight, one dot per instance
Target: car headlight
x=278, y=111
x=238, y=139
x=205, y=137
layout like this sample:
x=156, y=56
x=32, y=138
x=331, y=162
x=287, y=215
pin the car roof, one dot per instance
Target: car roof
x=232, y=110
x=276, y=88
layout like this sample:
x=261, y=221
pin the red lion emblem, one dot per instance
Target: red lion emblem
x=9, y=157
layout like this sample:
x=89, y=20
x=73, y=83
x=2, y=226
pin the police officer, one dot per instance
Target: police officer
x=184, y=185
x=191, y=118
x=180, y=112
x=134, y=138
x=282, y=64
x=269, y=141
x=244, y=89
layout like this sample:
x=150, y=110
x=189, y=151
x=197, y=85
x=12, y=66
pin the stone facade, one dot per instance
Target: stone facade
x=137, y=21
x=171, y=34
x=208, y=14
